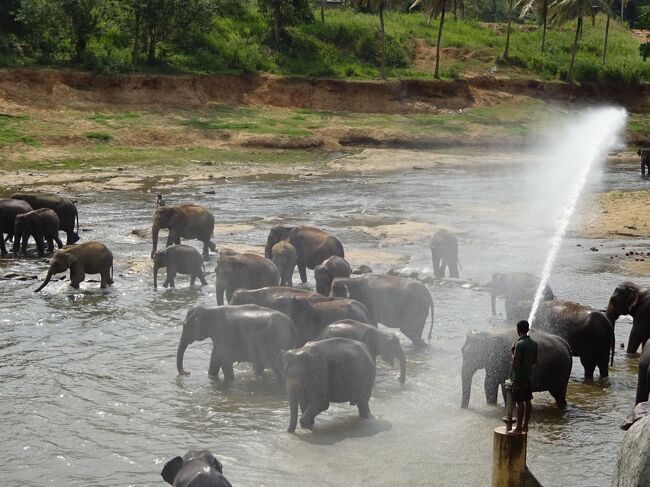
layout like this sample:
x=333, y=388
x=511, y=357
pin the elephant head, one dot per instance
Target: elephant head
x=61, y=261
x=276, y=234
x=196, y=327
x=625, y=301
x=159, y=260
x=306, y=379
x=198, y=464
x=477, y=351
x=389, y=348
x=339, y=287
x=165, y=217
x=323, y=279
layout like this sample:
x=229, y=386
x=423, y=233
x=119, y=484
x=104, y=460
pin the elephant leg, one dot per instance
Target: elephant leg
x=229, y=292
x=307, y=418
x=23, y=246
x=76, y=278
x=58, y=241
x=192, y=279
x=40, y=246
x=303, y=273
x=589, y=365
x=603, y=366
x=491, y=386
x=453, y=269
x=364, y=409
x=171, y=274
x=559, y=394
x=228, y=373
x=303, y=405
x=215, y=363
x=220, y=291
x=105, y=278
x=206, y=250
x=50, y=244
x=201, y=278
x=3, y=248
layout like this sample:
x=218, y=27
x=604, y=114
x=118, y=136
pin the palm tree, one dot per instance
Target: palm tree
x=562, y=11
x=436, y=7
x=542, y=10
x=505, y=51
x=381, y=4
x=608, y=13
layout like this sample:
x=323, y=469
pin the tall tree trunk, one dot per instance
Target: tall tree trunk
x=622, y=10
x=606, y=36
x=151, y=55
x=494, y=10
x=436, y=73
x=276, y=24
x=430, y=16
x=455, y=10
x=136, y=33
x=507, y=49
x=383, y=40
x=545, y=14
x=569, y=77
x=462, y=9
x=322, y=11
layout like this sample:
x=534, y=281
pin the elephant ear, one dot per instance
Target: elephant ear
x=170, y=470
x=72, y=259
x=371, y=339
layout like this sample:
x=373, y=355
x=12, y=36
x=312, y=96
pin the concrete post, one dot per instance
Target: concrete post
x=509, y=459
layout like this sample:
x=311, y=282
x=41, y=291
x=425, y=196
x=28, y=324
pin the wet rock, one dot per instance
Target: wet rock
x=142, y=232
x=16, y=276
x=633, y=463
x=640, y=411
x=210, y=192
x=362, y=269
x=594, y=249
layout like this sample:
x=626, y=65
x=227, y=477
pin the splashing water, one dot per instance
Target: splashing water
x=585, y=142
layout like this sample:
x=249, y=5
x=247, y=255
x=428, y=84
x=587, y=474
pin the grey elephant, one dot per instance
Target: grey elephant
x=184, y=221
x=312, y=245
x=643, y=379
x=444, y=253
x=82, y=259
x=181, y=259
x=393, y=301
x=9, y=210
x=491, y=350
x=330, y=269
x=40, y=224
x=285, y=258
x=274, y=297
x=332, y=370
x=587, y=331
x=246, y=333
x=244, y=271
x=198, y=468
x=515, y=288
x=630, y=299
x=645, y=160
x=64, y=207
x=386, y=345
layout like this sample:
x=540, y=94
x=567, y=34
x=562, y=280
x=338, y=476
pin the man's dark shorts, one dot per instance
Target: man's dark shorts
x=522, y=392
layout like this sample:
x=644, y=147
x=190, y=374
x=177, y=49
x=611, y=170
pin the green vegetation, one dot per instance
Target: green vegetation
x=98, y=136
x=9, y=133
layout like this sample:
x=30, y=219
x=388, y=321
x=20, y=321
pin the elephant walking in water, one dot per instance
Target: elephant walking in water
x=515, y=288
x=444, y=253
x=181, y=259
x=244, y=271
x=329, y=270
x=285, y=258
x=332, y=370
x=9, y=210
x=184, y=221
x=645, y=160
x=631, y=299
x=40, y=224
x=64, y=207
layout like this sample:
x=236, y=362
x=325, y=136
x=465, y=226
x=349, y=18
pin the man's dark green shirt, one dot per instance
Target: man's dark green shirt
x=525, y=354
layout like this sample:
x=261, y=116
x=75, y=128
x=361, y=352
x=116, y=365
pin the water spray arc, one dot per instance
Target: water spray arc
x=585, y=144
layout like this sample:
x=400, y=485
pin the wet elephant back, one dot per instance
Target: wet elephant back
x=350, y=368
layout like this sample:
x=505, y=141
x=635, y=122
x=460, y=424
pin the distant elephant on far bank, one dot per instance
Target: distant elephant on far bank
x=645, y=160
x=42, y=225
x=244, y=271
x=181, y=259
x=285, y=258
x=331, y=370
x=82, y=259
x=312, y=245
x=444, y=253
x=491, y=350
x=378, y=342
x=515, y=288
x=9, y=209
x=64, y=207
x=330, y=269
x=630, y=299
x=184, y=221
x=198, y=468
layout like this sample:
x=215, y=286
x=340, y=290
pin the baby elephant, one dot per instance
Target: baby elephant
x=40, y=224
x=330, y=269
x=82, y=259
x=332, y=370
x=378, y=342
x=284, y=256
x=181, y=259
x=198, y=468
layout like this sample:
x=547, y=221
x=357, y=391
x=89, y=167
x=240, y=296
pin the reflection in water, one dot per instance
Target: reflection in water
x=90, y=394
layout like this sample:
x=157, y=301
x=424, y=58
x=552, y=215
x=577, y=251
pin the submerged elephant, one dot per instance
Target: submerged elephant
x=198, y=468
x=329, y=270
x=491, y=350
x=285, y=258
x=312, y=245
x=396, y=302
x=515, y=288
x=645, y=160
x=332, y=370
x=246, y=333
x=184, y=221
x=587, y=331
x=444, y=253
x=244, y=271
x=181, y=259
x=64, y=207
x=9, y=210
x=631, y=299
x=378, y=342
x=40, y=224
x=643, y=380
x=82, y=259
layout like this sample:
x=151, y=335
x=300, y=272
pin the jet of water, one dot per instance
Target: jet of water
x=585, y=143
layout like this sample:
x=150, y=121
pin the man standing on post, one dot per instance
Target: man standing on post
x=524, y=355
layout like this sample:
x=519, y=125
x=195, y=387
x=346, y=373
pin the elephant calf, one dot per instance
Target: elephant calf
x=444, y=253
x=40, y=224
x=329, y=270
x=198, y=468
x=244, y=271
x=246, y=333
x=378, y=342
x=332, y=370
x=515, y=288
x=284, y=256
x=9, y=209
x=182, y=259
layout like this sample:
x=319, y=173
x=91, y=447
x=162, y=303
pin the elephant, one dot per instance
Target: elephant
x=378, y=342
x=39, y=224
x=244, y=333
x=182, y=259
x=244, y=271
x=312, y=245
x=82, y=259
x=645, y=160
x=491, y=350
x=9, y=209
x=285, y=257
x=331, y=370
x=330, y=269
x=515, y=287
x=643, y=381
x=587, y=331
x=198, y=468
x=274, y=297
x=64, y=207
x=396, y=302
x=184, y=221
x=630, y=299
x=444, y=253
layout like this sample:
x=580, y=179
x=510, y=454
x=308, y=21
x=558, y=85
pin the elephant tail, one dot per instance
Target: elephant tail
x=431, y=307
x=76, y=214
x=340, y=247
x=612, y=339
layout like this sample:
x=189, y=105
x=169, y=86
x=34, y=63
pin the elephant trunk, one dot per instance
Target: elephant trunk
x=294, y=390
x=636, y=339
x=611, y=313
x=180, y=353
x=467, y=375
x=493, y=297
x=156, y=266
x=48, y=278
x=402, y=366
x=155, y=230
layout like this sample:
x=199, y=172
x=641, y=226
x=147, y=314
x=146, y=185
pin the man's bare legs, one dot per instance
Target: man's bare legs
x=524, y=408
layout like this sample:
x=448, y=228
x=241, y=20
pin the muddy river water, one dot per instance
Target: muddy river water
x=89, y=392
